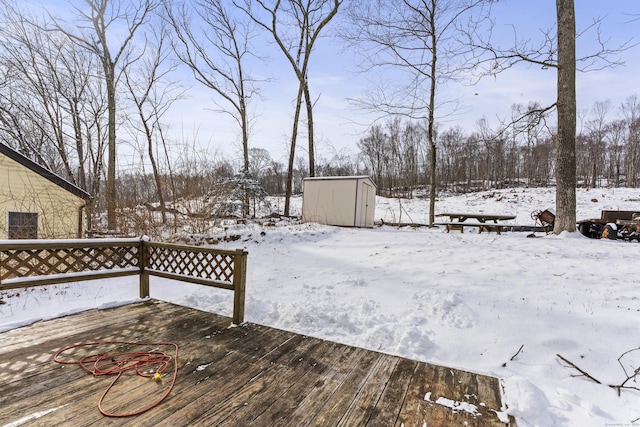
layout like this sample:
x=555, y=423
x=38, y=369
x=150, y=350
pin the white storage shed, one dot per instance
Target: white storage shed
x=339, y=200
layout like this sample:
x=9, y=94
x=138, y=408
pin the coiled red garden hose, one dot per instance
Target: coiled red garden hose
x=147, y=364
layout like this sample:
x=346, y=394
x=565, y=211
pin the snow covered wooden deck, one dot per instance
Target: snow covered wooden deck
x=230, y=376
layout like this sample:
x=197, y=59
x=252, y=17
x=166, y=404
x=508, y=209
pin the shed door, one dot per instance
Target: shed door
x=365, y=209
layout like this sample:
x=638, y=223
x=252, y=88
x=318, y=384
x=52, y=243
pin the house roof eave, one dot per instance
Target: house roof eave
x=44, y=172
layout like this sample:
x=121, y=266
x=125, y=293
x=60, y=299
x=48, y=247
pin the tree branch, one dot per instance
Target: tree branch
x=586, y=374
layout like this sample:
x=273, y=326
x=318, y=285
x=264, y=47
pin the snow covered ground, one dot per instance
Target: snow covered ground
x=504, y=305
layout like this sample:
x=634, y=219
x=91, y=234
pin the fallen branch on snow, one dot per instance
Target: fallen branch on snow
x=517, y=353
x=514, y=356
x=631, y=375
x=573, y=365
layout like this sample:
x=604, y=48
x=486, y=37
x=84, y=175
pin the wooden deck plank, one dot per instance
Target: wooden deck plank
x=340, y=400
x=229, y=376
x=363, y=408
x=194, y=329
x=35, y=360
x=256, y=394
x=231, y=394
x=430, y=383
x=289, y=397
x=395, y=392
x=211, y=376
x=17, y=339
x=313, y=402
x=75, y=381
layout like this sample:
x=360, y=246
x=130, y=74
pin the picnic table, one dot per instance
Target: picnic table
x=484, y=222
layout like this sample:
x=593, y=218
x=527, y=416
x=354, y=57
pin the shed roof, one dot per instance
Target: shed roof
x=44, y=172
x=344, y=178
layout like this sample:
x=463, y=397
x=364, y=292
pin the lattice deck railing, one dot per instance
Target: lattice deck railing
x=32, y=263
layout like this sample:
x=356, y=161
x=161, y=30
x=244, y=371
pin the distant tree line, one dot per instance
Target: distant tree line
x=395, y=154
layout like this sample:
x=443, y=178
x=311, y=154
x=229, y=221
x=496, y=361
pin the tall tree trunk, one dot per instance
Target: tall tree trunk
x=154, y=165
x=111, y=157
x=432, y=105
x=292, y=154
x=79, y=140
x=312, y=149
x=308, y=17
x=566, y=104
x=245, y=142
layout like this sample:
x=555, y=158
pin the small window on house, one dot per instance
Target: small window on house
x=23, y=225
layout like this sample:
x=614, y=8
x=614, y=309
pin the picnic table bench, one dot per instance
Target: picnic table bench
x=485, y=222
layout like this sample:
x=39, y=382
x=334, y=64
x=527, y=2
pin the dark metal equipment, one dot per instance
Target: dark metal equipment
x=612, y=225
x=545, y=219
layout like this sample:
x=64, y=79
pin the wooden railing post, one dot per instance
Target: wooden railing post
x=239, y=285
x=144, y=275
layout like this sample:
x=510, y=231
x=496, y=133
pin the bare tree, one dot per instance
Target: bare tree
x=493, y=167
x=50, y=101
x=556, y=51
x=595, y=138
x=529, y=127
x=259, y=162
x=615, y=149
x=35, y=80
x=566, y=105
x=418, y=39
x=215, y=43
x=216, y=46
x=524, y=154
x=450, y=158
x=373, y=148
x=153, y=94
x=630, y=109
x=295, y=26
x=107, y=31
